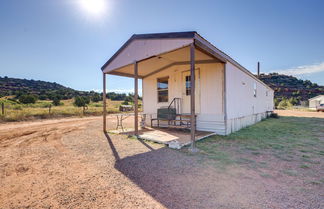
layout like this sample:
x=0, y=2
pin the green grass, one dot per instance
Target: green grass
x=288, y=139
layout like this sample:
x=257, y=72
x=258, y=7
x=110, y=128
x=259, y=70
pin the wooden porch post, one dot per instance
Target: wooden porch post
x=136, y=97
x=192, y=97
x=104, y=101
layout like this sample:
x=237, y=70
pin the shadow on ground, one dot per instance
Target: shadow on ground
x=174, y=179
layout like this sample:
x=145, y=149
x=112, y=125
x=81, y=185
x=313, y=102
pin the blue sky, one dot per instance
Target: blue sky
x=61, y=41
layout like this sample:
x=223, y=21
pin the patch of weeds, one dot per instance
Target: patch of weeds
x=132, y=137
x=255, y=153
x=244, y=161
x=316, y=182
x=307, y=160
x=263, y=164
x=305, y=156
x=277, y=146
x=290, y=172
x=222, y=157
x=252, y=148
x=304, y=151
x=265, y=175
x=305, y=166
x=284, y=157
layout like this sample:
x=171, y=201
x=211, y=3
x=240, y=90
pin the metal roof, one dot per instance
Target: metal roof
x=199, y=41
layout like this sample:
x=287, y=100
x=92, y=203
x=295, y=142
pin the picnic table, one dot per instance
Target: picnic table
x=122, y=117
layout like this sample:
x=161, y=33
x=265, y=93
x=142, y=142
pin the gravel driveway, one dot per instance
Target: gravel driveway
x=73, y=164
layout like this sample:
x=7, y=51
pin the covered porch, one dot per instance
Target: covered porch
x=144, y=56
x=173, y=137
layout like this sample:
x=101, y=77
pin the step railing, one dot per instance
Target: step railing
x=176, y=104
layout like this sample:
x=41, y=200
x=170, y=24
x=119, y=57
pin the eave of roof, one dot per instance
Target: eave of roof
x=187, y=34
x=321, y=95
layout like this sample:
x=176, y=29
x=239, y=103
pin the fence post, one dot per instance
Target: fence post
x=2, y=108
x=49, y=109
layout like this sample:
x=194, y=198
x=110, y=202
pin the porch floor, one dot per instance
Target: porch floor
x=173, y=137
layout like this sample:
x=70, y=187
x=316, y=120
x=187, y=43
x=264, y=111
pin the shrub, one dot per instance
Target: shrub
x=96, y=98
x=274, y=115
x=125, y=103
x=284, y=104
x=27, y=99
x=56, y=102
x=79, y=101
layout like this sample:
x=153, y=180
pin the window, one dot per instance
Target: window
x=254, y=89
x=162, y=88
x=188, y=85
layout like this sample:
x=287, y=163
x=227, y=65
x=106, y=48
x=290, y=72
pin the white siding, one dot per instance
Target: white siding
x=210, y=116
x=314, y=102
x=243, y=108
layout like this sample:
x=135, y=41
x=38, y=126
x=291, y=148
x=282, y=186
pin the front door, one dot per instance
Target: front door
x=186, y=91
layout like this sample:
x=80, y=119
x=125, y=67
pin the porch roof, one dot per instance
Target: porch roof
x=159, y=51
x=155, y=52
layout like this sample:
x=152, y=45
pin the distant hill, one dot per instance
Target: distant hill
x=285, y=86
x=292, y=88
x=43, y=89
x=47, y=90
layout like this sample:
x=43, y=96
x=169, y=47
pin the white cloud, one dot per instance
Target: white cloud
x=126, y=91
x=303, y=70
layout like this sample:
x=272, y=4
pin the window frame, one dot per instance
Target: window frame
x=162, y=90
x=255, y=89
x=188, y=89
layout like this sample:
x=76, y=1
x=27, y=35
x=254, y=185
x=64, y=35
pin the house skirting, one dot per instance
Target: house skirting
x=236, y=124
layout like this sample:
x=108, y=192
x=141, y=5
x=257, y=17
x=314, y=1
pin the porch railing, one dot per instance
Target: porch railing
x=176, y=104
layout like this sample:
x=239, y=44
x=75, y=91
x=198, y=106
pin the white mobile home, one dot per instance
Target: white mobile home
x=316, y=101
x=184, y=71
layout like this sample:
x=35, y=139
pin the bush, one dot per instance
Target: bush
x=125, y=103
x=79, y=101
x=42, y=97
x=274, y=115
x=284, y=104
x=56, y=102
x=27, y=99
x=96, y=98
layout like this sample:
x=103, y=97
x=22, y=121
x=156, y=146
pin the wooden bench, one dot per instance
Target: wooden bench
x=173, y=119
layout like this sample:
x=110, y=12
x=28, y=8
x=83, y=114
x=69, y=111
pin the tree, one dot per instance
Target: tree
x=96, y=98
x=42, y=97
x=86, y=99
x=80, y=102
x=56, y=101
x=27, y=99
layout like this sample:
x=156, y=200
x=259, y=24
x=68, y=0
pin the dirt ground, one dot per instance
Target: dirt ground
x=71, y=163
x=296, y=113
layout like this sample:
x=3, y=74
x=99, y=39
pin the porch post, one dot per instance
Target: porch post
x=136, y=97
x=104, y=101
x=192, y=97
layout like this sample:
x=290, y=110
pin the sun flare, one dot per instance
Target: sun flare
x=94, y=7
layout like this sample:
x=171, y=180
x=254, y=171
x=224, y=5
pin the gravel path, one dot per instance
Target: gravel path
x=73, y=164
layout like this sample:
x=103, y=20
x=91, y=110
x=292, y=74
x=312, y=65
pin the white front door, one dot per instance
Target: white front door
x=186, y=91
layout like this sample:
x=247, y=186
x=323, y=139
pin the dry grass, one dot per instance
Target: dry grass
x=41, y=110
